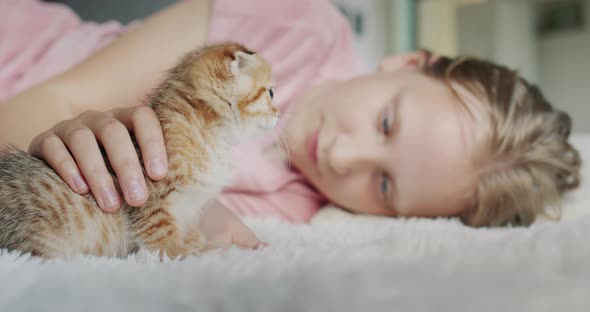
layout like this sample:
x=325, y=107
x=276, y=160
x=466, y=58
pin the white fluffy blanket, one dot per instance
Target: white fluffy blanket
x=339, y=262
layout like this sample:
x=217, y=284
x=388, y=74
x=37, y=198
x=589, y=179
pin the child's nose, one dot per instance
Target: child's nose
x=349, y=155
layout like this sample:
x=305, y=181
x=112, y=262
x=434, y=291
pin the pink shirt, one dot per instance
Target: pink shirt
x=305, y=41
x=39, y=40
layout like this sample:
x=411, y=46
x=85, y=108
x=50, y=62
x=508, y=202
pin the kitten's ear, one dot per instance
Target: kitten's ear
x=241, y=61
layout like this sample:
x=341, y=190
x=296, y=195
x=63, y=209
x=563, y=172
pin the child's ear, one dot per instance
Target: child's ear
x=413, y=60
x=403, y=61
x=242, y=60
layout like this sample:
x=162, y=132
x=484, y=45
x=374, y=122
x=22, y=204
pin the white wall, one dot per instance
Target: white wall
x=564, y=70
x=375, y=40
x=515, y=37
x=501, y=30
x=437, y=26
x=504, y=31
x=387, y=26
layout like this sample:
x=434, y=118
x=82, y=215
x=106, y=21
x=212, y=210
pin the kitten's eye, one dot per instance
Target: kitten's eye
x=271, y=93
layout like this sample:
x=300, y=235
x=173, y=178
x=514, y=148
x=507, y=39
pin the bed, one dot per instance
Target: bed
x=339, y=262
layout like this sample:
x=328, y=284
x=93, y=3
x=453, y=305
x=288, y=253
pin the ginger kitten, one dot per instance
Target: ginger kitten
x=214, y=97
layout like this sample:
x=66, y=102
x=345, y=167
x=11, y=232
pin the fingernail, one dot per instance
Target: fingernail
x=135, y=190
x=79, y=182
x=260, y=245
x=109, y=199
x=158, y=167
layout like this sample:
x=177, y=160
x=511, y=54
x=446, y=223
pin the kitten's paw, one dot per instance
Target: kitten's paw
x=195, y=243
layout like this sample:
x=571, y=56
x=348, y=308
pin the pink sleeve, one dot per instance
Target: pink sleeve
x=293, y=204
x=266, y=187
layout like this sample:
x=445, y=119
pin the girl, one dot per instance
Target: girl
x=424, y=136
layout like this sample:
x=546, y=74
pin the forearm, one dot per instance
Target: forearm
x=120, y=75
x=29, y=113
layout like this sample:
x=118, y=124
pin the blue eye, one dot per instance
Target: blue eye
x=386, y=125
x=384, y=184
x=271, y=93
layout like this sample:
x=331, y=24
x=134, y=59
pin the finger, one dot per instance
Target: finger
x=50, y=148
x=83, y=145
x=261, y=245
x=115, y=138
x=223, y=241
x=148, y=133
x=245, y=238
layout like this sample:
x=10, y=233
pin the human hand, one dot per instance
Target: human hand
x=71, y=148
x=223, y=228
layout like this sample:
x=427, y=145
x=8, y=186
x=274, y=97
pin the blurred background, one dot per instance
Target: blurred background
x=548, y=41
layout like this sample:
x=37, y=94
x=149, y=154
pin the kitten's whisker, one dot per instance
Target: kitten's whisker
x=285, y=149
x=283, y=136
x=278, y=144
x=281, y=141
x=277, y=137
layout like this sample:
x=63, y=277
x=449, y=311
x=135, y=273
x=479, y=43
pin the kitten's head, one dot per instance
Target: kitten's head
x=239, y=83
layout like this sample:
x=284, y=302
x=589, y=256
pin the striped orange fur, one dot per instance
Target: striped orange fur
x=209, y=101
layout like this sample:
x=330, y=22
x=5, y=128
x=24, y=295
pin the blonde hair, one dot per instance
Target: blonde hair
x=529, y=163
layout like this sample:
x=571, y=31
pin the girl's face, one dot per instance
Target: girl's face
x=395, y=143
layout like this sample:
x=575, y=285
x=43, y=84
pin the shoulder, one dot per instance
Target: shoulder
x=294, y=28
x=303, y=40
x=310, y=14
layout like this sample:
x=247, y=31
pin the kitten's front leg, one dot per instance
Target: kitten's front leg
x=155, y=230
x=195, y=242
